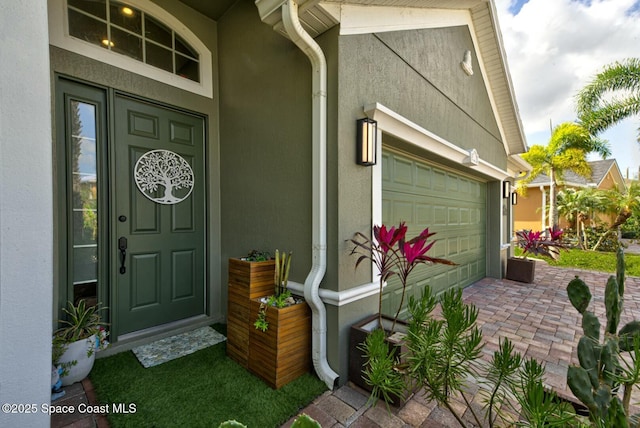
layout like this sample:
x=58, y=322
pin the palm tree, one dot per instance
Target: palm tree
x=613, y=95
x=579, y=206
x=623, y=205
x=567, y=150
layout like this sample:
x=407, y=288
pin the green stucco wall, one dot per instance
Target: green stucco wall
x=265, y=135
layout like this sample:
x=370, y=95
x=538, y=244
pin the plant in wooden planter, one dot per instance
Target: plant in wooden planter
x=250, y=277
x=280, y=344
x=542, y=244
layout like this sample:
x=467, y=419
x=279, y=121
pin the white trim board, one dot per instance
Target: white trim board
x=340, y=298
x=397, y=125
x=356, y=19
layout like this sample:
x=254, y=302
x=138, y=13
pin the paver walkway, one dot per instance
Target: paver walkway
x=538, y=318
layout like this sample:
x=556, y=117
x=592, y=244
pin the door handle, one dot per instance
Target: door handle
x=122, y=246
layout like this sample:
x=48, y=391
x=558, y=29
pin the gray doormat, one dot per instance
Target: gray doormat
x=177, y=346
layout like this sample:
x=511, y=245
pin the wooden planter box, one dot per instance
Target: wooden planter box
x=519, y=269
x=247, y=280
x=283, y=352
x=357, y=360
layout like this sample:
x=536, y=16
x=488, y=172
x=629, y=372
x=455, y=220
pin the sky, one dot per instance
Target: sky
x=556, y=47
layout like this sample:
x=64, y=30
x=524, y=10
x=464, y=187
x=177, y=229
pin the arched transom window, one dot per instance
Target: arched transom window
x=136, y=35
x=129, y=31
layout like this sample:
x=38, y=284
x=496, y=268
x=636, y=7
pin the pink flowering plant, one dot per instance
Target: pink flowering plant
x=394, y=254
x=541, y=244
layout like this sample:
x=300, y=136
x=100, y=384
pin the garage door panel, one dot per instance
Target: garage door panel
x=452, y=247
x=439, y=181
x=450, y=204
x=439, y=216
x=452, y=183
x=424, y=214
x=423, y=176
x=403, y=172
x=454, y=216
x=465, y=217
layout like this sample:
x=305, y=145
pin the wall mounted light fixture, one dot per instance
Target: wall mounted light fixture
x=514, y=198
x=367, y=136
x=506, y=189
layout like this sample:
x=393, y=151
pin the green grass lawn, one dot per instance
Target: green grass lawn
x=594, y=260
x=200, y=390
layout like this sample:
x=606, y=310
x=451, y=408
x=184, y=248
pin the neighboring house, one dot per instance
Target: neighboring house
x=531, y=210
x=268, y=129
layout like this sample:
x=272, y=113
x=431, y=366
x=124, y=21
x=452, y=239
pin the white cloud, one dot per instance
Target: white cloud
x=555, y=47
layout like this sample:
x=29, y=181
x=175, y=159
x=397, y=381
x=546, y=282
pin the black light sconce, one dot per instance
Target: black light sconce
x=514, y=198
x=506, y=189
x=367, y=135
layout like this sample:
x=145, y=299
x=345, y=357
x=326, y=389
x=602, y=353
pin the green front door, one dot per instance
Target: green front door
x=158, y=191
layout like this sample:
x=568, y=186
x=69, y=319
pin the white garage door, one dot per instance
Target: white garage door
x=447, y=202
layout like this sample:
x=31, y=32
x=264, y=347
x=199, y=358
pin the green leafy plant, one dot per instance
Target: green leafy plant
x=444, y=352
x=257, y=256
x=282, y=296
x=379, y=372
x=596, y=381
x=393, y=254
x=261, y=322
x=81, y=322
x=539, y=243
x=441, y=351
x=302, y=421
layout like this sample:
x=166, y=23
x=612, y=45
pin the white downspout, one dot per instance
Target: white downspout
x=313, y=51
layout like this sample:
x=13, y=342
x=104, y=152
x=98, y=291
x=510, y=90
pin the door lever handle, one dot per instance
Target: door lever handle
x=122, y=246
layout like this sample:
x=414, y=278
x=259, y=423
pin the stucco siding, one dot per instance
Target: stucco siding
x=418, y=74
x=26, y=222
x=265, y=140
x=527, y=213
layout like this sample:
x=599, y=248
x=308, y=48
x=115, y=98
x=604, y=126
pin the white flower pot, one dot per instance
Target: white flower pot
x=77, y=351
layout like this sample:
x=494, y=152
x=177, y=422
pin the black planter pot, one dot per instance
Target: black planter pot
x=357, y=359
x=519, y=269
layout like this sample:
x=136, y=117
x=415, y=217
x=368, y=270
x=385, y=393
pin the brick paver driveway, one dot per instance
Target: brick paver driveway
x=539, y=318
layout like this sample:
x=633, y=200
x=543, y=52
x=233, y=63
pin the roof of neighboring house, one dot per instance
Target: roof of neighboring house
x=599, y=170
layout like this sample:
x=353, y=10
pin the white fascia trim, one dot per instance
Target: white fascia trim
x=340, y=298
x=59, y=36
x=395, y=124
x=356, y=19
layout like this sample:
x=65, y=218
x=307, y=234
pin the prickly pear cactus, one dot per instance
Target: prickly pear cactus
x=595, y=381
